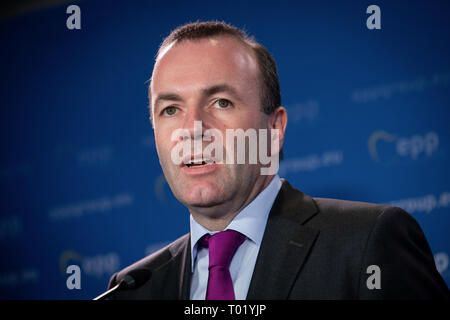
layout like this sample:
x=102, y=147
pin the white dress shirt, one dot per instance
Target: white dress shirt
x=251, y=222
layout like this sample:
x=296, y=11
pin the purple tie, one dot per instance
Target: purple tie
x=222, y=247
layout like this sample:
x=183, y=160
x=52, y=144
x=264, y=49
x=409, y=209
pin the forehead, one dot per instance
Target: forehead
x=203, y=61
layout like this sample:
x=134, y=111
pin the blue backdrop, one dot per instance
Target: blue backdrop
x=79, y=175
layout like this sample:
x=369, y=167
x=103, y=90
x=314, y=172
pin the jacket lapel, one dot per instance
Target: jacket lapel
x=184, y=288
x=164, y=284
x=285, y=245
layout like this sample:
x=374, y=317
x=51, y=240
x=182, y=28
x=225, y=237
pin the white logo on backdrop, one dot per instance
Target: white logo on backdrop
x=423, y=204
x=83, y=208
x=98, y=266
x=386, y=91
x=412, y=147
x=19, y=277
x=312, y=162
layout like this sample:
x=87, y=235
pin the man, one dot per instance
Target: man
x=253, y=236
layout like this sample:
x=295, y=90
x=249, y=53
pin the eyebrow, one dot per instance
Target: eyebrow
x=209, y=91
x=167, y=97
x=219, y=88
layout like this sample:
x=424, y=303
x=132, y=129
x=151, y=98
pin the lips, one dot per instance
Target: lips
x=197, y=165
x=197, y=162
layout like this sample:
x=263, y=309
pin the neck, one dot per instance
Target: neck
x=218, y=217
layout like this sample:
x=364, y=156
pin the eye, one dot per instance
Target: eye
x=170, y=111
x=223, y=103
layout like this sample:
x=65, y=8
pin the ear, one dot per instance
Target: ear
x=278, y=120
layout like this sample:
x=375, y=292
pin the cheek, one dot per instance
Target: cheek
x=163, y=144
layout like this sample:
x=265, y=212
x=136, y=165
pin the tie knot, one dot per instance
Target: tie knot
x=222, y=246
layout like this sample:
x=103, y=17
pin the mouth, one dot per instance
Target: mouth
x=198, y=163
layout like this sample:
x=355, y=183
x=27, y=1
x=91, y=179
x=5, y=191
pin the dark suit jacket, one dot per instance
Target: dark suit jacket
x=315, y=248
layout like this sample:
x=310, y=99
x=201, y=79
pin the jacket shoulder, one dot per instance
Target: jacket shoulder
x=354, y=212
x=322, y=212
x=348, y=207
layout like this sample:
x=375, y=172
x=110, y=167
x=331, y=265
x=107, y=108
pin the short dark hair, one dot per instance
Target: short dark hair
x=270, y=92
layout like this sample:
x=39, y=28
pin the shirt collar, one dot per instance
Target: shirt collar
x=251, y=221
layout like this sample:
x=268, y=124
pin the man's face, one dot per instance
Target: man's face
x=216, y=81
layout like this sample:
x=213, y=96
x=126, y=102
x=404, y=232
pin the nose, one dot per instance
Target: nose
x=194, y=123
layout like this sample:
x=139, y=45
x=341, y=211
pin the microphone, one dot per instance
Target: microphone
x=132, y=280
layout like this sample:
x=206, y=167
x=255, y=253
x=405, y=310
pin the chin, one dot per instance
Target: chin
x=202, y=196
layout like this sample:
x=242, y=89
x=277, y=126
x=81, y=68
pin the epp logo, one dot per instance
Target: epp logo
x=412, y=147
x=72, y=264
